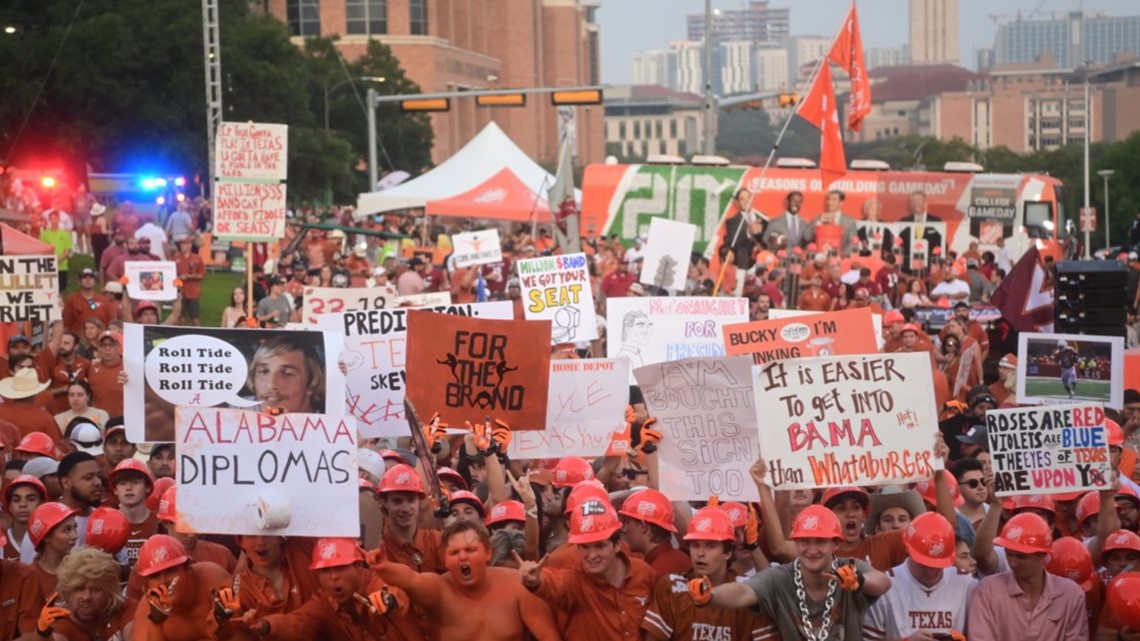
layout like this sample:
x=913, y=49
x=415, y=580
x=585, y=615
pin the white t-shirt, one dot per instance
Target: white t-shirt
x=956, y=286
x=910, y=606
x=157, y=239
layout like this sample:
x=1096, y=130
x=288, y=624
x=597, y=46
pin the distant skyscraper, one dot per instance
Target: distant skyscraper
x=887, y=57
x=1071, y=39
x=934, y=32
x=756, y=22
x=655, y=68
x=690, y=66
x=736, y=74
x=771, y=68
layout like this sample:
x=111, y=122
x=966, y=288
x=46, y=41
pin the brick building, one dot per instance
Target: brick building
x=450, y=45
x=642, y=120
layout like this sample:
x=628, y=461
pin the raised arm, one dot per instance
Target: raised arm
x=1107, y=522
x=782, y=549
x=423, y=588
x=984, y=552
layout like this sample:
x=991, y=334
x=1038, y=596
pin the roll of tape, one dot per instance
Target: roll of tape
x=273, y=512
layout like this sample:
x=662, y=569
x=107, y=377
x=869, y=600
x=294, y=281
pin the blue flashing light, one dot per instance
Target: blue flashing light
x=180, y=182
x=159, y=182
x=148, y=183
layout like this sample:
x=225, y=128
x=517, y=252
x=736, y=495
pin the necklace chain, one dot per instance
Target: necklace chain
x=809, y=630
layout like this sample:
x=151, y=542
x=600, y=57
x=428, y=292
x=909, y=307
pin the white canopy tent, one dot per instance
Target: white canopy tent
x=486, y=155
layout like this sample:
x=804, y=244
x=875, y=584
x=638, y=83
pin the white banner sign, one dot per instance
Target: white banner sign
x=252, y=150
x=151, y=279
x=426, y=299
x=29, y=289
x=557, y=289
x=249, y=211
x=847, y=420
x=668, y=253
x=334, y=300
x=476, y=248
x=374, y=357
x=284, y=475
x=703, y=406
x=1046, y=450
x=655, y=330
x=585, y=413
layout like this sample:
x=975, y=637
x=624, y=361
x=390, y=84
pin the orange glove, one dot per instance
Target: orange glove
x=501, y=435
x=649, y=437
x=49, y=615
x=434, y=431
x=382, y=601
x=849, y=577
x=957, y=636
x=226, y=604
x=701, y=591
x=161, y=601
x=752, y=529
x=178, y=283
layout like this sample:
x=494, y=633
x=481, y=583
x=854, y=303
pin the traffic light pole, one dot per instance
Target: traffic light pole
x=709, y=146
x=373, y=171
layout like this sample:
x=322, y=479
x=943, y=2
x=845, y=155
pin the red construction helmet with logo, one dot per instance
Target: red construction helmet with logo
x=832, y=494
x=161, y=485
x=737, y=513
x=1123, y=599
x=1070, y=559
x=711, y=524
x=38, y=443
x=335, y=553
x=1129, y=494
x=168, y=505
x=24, y=479
x=1026, y=533
x=649, y=506
x=463, y=496
x=929, y=540
x=401, y=478
x=506, y=512
x=1115, y=434
x=590, y=488
x=929, y=491
x=108, y=530
x=448, y=474
x=161, y=552
x=131, y=466
x=1088, y=507
x=1120, y=540
x=572, y=470
x=816, y=522
x=593, y=520
x=46, y=517
x=1035, y=502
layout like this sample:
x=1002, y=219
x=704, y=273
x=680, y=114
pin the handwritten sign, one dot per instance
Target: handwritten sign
x=249, y=211
x=476, y=248
x=252, y=150
x=1043, y=450
x=30, y=289
x=847, y=420
x=827, y=334
x=667, y=253
x=650, y=330
x=585, y=411
x=876, y=321
x=151, y=279
x=286, y=475
x=426, y=299
x=704, y=407
x=199, y=367
x=375, y=361
x=334, y=300
x=557, y=288
x=469, y=368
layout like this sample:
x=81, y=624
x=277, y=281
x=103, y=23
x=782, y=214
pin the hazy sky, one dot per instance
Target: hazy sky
x=635, y=25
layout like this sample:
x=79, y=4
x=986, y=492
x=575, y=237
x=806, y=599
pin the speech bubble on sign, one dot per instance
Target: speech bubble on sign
x=197, y=370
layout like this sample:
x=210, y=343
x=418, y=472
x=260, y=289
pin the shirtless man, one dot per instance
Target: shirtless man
x=472, y=602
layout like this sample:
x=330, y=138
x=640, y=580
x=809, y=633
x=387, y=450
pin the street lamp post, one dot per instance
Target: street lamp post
x=329, y=90
x=1088, y=134
x=1106, y=174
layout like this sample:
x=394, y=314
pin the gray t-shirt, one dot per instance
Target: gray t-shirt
x=776, y=590
x=279, y=305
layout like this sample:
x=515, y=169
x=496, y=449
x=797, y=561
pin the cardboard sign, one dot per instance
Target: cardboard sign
x=426, y=299
x=826, y=334
x=876, y=321
x=374, y=359
x=1043, y=450
x=476, y=248
x=335, y=300
x=650, y=330
x=199, y=367
x=286, y=475
x=1067, y=368
x=249, y=211
x=847, y=420
x=585, y=411
x=470, y=368
x=30, y=289
x=704, y=407
x=668, y=253
x=557, y=289
x=151, y=279
x=251, y=150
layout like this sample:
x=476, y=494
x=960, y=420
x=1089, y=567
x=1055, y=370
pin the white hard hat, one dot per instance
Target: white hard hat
x=361, y=249
x=370, y=461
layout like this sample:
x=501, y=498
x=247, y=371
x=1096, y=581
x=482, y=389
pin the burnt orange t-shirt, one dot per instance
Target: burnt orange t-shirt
x=28, y=418
x=72, y=631
x=21, y=597
x=666, y=559
x=883, y=551
x=595, y=609
x=47, y=581
x=811, y=300
x=672, y=616
x=106, y=393
x=298, y=584
x=140, y=532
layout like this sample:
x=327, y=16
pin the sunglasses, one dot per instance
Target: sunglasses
x=973, y=483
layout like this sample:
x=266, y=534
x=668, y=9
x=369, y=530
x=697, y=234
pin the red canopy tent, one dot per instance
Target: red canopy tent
x=500, y=197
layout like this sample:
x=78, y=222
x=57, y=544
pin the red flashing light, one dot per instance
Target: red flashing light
x=48, y=182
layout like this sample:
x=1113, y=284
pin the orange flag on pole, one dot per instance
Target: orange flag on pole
x=818, y=108
x=847, y=52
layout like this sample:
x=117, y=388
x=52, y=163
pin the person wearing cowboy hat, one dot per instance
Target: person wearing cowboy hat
x=893, y=508
x=19, y=391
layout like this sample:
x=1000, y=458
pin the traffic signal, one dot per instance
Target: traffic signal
x=788, y=100
x=502, y=100
x=425, y=104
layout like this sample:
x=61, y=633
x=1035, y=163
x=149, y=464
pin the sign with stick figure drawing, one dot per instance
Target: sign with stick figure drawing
x=557, y=288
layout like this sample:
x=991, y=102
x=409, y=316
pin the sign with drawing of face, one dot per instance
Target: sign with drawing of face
x=649, y=330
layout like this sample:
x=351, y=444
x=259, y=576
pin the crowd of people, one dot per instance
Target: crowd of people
x=563, y=548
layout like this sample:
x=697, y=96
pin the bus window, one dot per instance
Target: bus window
x=1039, y=220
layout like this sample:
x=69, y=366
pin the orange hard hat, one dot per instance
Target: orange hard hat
x=892, y=317
x=1120, y=540
x=845, y=491
x=910, y=327
x=393, y=455
x=929, y=491
x=161, y=485
x=401, y=478
x=24, y=479
x=506, y=511
x=736, y=512
x=1026, y=533
x=364, y=484
x=593, y=520
x=463, y=496
x=590, y=488
x=1088, y=507
x=711, y=524
x=167, y=509
x=453, y=476
x=929, y=540
x=160, y=552
x=1115, y=434
x=108, y=530
x=1070, y=559
x=572, y=470
x=1033, y=501
x=46, y=517
x=650, y=506
x=131, y=466
x=1126, y=492
x=1123, y=599
x=38, y=443
x=816, y=522
x=335, y=553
